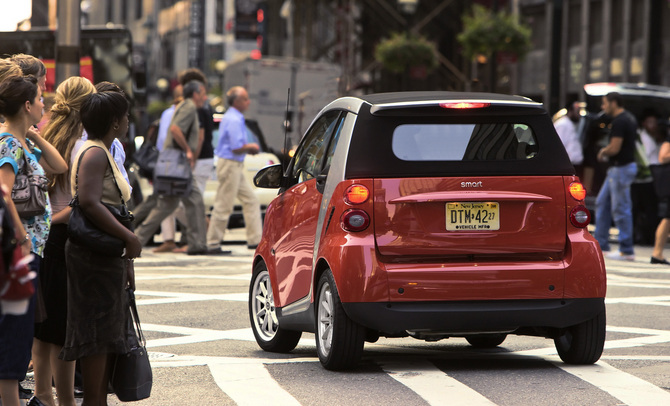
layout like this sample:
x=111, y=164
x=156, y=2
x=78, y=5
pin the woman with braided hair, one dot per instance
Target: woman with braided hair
x=63, y=131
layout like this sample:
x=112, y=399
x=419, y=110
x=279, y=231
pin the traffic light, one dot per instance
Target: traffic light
x=250, y=21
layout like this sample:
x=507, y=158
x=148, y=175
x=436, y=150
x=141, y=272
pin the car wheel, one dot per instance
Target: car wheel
x=339, y=340
x=582, y=343
x=486, y=340
x=263, y=317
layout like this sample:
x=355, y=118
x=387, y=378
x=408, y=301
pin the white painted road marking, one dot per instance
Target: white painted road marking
x=626, y=387
x=431, y=383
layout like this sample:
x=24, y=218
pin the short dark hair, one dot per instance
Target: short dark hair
x=100, y=110
x=15, y=91
x=105, y=86
x=615, y=97
x=191, y=88
x=190, y=74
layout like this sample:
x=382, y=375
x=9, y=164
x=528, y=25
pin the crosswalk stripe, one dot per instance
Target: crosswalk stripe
x=251, y=384
x=626, y=387
x=432, y=384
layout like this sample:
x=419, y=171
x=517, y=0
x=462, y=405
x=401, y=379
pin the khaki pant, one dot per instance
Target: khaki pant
x=232, y=183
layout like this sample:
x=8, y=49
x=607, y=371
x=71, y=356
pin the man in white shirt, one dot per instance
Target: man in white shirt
x=566, y=127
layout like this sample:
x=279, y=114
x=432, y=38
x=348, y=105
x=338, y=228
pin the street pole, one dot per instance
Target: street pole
x=67, y=40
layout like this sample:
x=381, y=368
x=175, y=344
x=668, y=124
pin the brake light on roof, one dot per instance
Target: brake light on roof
x=464, y=105
x=577, y=191
x=356, y=194
x=580, y=216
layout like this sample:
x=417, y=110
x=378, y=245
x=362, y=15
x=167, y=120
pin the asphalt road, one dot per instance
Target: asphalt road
x=194, y=314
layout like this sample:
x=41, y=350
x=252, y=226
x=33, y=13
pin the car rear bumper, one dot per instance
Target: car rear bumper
x=474, y=316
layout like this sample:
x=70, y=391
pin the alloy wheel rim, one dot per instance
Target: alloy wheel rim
x=325, y=333
x=263, y=307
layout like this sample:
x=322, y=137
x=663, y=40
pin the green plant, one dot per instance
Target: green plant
x=403, y=51
x=485, y=32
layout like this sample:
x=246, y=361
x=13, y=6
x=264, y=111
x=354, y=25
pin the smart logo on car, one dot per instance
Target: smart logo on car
x=471, y=184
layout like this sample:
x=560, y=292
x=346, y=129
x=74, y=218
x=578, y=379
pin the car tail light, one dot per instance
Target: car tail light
x=355, y=220
x=580, y=216
x=356, y=194
x=464, y=105
x=577, y=191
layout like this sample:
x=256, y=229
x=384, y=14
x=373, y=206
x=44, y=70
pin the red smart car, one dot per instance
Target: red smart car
x=430, y=215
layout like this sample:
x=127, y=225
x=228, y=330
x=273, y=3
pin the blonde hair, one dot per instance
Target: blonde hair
x=64, y=127
x=8, y=69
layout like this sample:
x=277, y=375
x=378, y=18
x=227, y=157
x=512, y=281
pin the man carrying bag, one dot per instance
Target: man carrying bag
x=173, y=173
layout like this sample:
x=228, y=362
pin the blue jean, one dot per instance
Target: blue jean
x=614, y=202
x=16, y=337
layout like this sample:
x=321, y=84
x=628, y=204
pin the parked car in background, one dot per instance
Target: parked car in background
x=430, y=215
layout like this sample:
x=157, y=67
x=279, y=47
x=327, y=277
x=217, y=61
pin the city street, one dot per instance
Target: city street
x=194, y=314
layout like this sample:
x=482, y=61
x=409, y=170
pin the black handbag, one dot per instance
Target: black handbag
x=660, y=174
x=172, y=176
x=146, y=158
x=82, y=231
x=131, y=377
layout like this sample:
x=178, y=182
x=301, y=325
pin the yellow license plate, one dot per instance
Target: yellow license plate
x=473, y=216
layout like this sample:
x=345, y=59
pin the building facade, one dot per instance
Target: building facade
x=576, y=42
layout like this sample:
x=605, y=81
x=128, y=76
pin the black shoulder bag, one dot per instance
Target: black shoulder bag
x=83, y=232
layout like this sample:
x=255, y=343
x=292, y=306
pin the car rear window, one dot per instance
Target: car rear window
x=463, y=142
x=425, y=142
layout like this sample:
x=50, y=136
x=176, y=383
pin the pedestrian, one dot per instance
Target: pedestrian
x=168, y=229
x=204, y=164
x=63, y=131
x=614, y=199
x=98, y=310
x=232, y=147
x=567, y=129
x=643, y=195
x=663, y=228
x=49, y=100
x=21, y=106
x=183, y=134
x=32, y=66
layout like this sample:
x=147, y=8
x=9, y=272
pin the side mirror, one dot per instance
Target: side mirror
x=269, y=177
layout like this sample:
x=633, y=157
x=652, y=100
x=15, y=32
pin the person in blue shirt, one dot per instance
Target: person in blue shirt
x=230, y=151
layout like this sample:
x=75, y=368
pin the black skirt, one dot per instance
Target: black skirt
x=97, y=303
x=53, y=284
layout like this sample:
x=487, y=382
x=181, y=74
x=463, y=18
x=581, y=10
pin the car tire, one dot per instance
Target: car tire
x=486, y=340
x=582, y=343
x=263, y=317
x=339, y=340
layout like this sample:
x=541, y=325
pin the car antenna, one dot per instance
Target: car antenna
x=286, y=124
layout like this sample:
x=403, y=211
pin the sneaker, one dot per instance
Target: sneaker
x=167, y=246
x=620, y=256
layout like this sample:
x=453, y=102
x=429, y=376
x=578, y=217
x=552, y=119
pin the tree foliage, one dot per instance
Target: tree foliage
x=404, y=51
x=485, y=32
